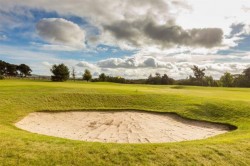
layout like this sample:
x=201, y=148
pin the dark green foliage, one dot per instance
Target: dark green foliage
x=115, y=79
x=87, y=75
x=178, y=87
x=3, y=67
x=12, y=70
x=241, y=81
x=61, y=73
x=7, y=69
x=24, y=70
x=73, y=74
x=157, y=79
x=246, y=73
x=227, y=80
x=1, y=77
x=209, y=81
x=199, y=79
x=102, y=77
x=199, y=74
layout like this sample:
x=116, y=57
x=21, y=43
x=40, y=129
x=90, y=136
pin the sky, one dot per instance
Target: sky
x=127, y=38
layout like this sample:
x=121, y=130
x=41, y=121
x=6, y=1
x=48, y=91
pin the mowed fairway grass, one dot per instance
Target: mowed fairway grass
x=18, y=98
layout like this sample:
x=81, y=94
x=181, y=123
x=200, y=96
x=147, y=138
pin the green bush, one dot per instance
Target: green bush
x=1, y=77
x=61, y=72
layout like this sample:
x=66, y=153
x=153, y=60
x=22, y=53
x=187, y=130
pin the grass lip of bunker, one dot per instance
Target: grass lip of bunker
x=120, y=126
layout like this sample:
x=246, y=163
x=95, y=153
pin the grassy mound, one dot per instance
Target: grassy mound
x=223, y=105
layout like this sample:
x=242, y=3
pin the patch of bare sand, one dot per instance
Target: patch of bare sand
x=119, y=126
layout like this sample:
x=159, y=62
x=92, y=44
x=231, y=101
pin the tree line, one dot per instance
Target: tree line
x=13, y=70
x=62, y=73
x=226, y=80
x=199, y=78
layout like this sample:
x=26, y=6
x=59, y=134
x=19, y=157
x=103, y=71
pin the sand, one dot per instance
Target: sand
x=119, y=126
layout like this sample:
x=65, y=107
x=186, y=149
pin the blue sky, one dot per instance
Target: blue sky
x=127, y=38
x=24, y=36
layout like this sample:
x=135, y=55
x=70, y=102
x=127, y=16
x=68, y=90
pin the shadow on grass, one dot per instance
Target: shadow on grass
x=178, y=87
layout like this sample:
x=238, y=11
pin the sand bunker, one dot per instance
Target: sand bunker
x=119, y=126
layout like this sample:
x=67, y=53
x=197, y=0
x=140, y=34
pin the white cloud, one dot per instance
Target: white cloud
x=141, y=68
x=39, y=62
x=63, y=35
x=188, y=14
x=118, y=63
x=47, y=64
x=61, y=31
x=163, y=12
x=133, y=62
x=84, y=64
x=3, y=37
x=53, y=47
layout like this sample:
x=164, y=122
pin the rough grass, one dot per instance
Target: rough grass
x=225, y=105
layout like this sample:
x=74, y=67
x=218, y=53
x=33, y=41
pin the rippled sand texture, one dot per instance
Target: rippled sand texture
x=121, y=127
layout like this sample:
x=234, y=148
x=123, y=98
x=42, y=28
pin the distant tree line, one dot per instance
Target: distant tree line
x=160, y=80
x=226, y=80
x=13, y=70
x=199, y=78
x=62, y=73
x=105, y=78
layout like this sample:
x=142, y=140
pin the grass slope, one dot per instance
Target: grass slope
x=227, y=105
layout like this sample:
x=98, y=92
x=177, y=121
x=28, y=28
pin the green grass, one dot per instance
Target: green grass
x=225, y=105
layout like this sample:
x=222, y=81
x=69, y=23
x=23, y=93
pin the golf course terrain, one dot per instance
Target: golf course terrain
x=223, y=106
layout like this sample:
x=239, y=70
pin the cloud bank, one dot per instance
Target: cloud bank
x=147, y=32
x=61, y=31
x=127, y=24
x=164, y=35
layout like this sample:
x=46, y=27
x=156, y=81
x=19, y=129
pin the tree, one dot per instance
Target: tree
x=160, y=80
x=24, y=70
x=3, y=68
x=244, y=79
x=198, y=73
x=241, y=80
x=227, y=80
x=165, y=80
x=157, y=75
x=11, y=70
x=7, y=69
x=73, y=73
x=150, y=79
x=154, y=80
x=246, y=73
x=157, y=78
x=102, y=77
x=87, y=75
x=209, y=81
x=61, y=72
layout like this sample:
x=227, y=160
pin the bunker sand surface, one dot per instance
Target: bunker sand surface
x=119, y=126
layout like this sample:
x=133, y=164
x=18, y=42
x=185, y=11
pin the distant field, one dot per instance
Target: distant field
x=225, y=105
